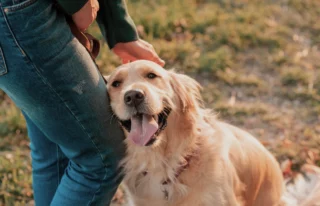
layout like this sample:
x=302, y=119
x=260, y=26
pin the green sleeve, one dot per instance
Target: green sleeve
x=115, y=23
x=113, y=19
x=71, y=6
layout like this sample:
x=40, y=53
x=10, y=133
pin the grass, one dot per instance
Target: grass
x=258, y=62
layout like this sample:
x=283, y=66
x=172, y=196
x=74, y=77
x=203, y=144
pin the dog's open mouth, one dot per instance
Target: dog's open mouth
x=144, y=128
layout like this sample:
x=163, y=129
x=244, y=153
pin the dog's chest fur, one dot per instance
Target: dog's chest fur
x=151, y=176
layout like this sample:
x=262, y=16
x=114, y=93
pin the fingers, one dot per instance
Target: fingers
x=86, y=15
x=132, y=51
x=95, y=9
x=155, y=58
x=125, y=61
x=96, y=5
x=151, y=57
x=160, y=62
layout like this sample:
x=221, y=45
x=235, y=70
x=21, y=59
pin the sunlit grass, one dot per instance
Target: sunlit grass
x=258, y=62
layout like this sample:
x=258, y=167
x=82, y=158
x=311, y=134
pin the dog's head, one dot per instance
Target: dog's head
x=143, y=95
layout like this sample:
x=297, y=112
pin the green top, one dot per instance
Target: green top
x=113, y=19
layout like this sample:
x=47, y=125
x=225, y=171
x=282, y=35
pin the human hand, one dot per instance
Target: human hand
x=86, y=15
x=136, y=50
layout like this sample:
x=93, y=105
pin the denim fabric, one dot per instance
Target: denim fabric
x=76, y=145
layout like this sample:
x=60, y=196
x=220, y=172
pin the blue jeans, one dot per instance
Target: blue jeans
x=76, y=145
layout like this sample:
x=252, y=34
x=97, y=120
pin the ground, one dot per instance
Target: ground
x=258, y=63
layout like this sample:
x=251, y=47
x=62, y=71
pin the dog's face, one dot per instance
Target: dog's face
x=142, y=95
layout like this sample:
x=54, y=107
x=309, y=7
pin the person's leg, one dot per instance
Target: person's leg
x=48, y=164
x=54, y=81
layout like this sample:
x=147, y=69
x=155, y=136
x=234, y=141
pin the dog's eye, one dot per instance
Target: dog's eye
x=151, y=75
x=116, y=83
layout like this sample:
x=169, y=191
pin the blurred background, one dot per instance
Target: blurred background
x=257, y=60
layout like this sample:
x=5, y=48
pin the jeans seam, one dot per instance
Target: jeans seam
x=5, y=69
x=58, y=165
x=94, y=195
x=19, y=6
x=11, y=32
x=75, y=117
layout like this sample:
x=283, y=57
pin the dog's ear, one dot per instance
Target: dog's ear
x=187, y=90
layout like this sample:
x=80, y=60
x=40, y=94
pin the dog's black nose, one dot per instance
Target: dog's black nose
x=133, y=98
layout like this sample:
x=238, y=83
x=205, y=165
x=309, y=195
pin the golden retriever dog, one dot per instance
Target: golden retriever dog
x=179, y=153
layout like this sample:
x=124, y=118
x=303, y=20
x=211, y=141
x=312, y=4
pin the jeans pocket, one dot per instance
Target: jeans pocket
x=19, y=5
x=40, y=30
x=3, y=67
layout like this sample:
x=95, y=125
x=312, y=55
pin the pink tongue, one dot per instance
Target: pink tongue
x=143, y=129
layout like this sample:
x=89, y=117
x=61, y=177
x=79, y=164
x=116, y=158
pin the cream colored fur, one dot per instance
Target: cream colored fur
x=230, y=167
